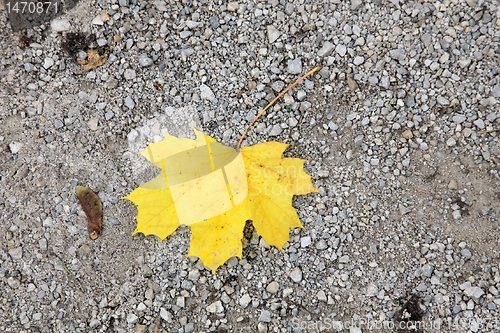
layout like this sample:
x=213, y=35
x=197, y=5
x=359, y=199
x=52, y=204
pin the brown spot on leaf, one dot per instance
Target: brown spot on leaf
x=92, y=207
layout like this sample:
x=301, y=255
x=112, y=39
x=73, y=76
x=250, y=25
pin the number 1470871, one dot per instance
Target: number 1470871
x=31, y=7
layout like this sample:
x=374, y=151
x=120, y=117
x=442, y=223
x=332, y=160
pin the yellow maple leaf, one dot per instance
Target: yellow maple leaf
x=215, y=189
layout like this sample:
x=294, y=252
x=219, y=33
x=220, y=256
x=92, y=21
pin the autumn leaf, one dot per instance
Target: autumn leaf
x=215, y=189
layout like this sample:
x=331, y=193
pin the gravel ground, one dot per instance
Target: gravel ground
x=399, y=127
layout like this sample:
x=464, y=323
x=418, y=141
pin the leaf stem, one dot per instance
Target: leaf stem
x=312, y=71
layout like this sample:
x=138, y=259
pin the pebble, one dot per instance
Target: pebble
x=295, y=66
x=48, y=62
x=129, y=102
x=16, y=253
x=15, y=147
x=129, y=74
x=206, y=93
x=305, y=241
x=165, y=315
x=273, y=287
x=341, y=49
x=60, y=25
x=272, y=33
x=132, y=318
x=245, y=300
x=13, y=282
x=215, y=307
x=265, y=316
x=145, y=61
x=451, y=142
x=296, y=275
x=326, y=50
x=276, y=130
x=474, y=292
x=233, y=6
x=93, y=124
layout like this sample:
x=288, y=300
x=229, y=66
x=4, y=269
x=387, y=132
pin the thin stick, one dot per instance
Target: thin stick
x=312, y=71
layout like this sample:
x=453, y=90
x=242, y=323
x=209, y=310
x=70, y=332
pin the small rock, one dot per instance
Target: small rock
x=206, y=93
x=129, y=102
x=15, y=147
x=479, y=123
x=358, y=60
x=272, y=33
x=305, y=241
x=129, y=74
x=145, y=61
x=321, y=296
x=326, y=50
x=273, y=287
x=16, y=253
x=245, y=300
x=132, y=318
x=215, y=307
x=344, y=259
x=94, y=323
x=93, y=124
x=355, y=4
x=408, y=134
x=451, y=142
x=98, y=20
x=48, y=62
x=474, y=292
x=13, y=282
x=265, y=316
x=295, y=66
x=341, y=49
x=276, y=130
x=165, y=315
x=456, y=214
x=453, y=185
x=233, y=6
x=371, y=289
x=296, y=275
x=59, y=25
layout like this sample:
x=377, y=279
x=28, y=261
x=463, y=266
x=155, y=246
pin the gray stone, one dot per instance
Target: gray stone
x=15, y=147
x=129, y=102
x=165, y=315
x=16, y=253
x=341, y=49
x=474, y=292
x=145, y=61
x=355, y=4
x=273, y=287
x=215, y=307
x=371, y=290
x=265, y=316
x=326, y=50
x=132, y=318
x=59, y=25
x=295, y=66
x=305, y=241
x=245, y=300
x=296, y=275
x=479, y=123
x=129, y=74
x=276, y=130
x=206, y=93
x=451, y=142
x=272, y=33
x=48, y=62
